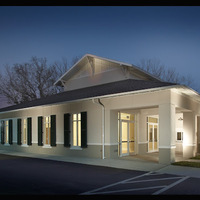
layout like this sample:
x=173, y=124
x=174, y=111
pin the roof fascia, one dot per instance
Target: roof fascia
x=126, y=64
x=147, y=73
x=109, y=60
x=70, y=69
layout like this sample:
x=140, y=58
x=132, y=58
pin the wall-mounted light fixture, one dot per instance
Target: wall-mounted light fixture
x=180, y=118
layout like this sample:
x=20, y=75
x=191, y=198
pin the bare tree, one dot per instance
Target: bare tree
x=154, y=67
x=31, y=80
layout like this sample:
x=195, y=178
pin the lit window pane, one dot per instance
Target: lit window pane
x=74, y=133
x=76, y=126
x=79, y=133
x=6, y=131
x=49, y=133
x=74, y=116
x=132, y=117
x=47, y=123
x=152, y=119
x=25, y=131
x=179, y=136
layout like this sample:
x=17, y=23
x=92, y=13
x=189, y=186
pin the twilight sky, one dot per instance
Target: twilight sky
x=170, y=34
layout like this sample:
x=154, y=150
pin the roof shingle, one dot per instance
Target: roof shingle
x=89, y=92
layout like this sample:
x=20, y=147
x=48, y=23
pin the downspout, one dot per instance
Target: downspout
x=103, y=126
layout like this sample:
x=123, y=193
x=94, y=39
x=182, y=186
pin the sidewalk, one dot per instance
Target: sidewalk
x=135, y=164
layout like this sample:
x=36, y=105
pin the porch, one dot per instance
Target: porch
x=151, y=157
x=163, y=134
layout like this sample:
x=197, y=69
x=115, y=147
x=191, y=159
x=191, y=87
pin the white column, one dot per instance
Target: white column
x=189, y=134
x=167, y=133
x=198, y=134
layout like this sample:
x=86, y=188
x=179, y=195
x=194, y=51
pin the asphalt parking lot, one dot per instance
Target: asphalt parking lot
x=32, y=176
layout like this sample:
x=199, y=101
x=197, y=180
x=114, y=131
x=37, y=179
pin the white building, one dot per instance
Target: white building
x=109, y=109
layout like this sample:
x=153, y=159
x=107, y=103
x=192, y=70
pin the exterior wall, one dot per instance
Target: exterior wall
x=94, y=136
x=191, y=111
x=97, y=71
x=185, y=102
x=142, y=133
x=167, y=133
x=163, y=102
x=141, y=105
x=93, y=131
x=189, y=141
x=116, y=74
x=179, y=128
x=198, y=134
x=96, y=79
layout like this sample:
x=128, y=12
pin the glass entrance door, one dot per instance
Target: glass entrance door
x=152, y=137
x=127, y=136
x=124, y=139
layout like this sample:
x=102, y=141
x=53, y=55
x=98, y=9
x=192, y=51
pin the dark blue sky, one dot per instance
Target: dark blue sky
x=170, y=34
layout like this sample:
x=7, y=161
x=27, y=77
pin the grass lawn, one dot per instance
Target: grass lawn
x=196, y=157
x=189, y=163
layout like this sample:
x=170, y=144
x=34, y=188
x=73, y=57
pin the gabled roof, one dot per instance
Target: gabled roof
x=98, y=91
x=76, y=67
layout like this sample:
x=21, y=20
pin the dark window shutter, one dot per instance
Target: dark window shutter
x=2, y=132
x=67, y=130
x=19, y=131
x=83, y=129
x=53, y=130
x=40, y=131
x=10, y=131
x=29, y=131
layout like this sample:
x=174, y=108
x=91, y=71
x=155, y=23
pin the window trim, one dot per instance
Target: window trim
x=22, y=132
x=181, y=140
x=77, y=120
x=44, y=132
x=5, y=135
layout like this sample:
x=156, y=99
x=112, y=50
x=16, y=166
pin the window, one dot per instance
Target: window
x=24, y=131
x=152, y=119
x=6, y=131
x=126, y=116
x=152, y=133
x=47, y=131
x=76, y=128
x=179, y=136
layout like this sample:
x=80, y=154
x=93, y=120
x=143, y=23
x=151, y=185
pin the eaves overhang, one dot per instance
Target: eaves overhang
x=85, y=59
x=94, y=97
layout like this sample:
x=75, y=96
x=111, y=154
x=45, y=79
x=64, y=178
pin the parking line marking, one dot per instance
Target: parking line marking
x=129, y=181
x=107, y=186
x=157, y=179
x=170, y=186
x=133, y=189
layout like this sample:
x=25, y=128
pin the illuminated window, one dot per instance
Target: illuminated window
x=76, y=129
x=24, y=131
x=6, y=132
x=152, y=119
x=47, y=131
x=179, y=136
x=126, y=116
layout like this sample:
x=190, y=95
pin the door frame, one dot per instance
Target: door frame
x=120, y=136
x=157, y=124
